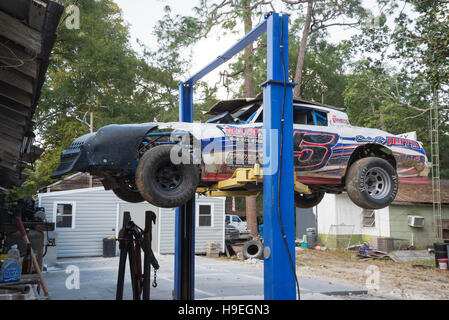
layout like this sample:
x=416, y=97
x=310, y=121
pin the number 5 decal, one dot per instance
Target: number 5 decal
x=311, y=149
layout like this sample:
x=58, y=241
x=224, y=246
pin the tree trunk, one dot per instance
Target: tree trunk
x=302, y=50
x=250, y=202
x=247, y=67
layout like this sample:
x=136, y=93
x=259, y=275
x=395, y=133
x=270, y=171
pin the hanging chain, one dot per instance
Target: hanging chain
x=154, y=279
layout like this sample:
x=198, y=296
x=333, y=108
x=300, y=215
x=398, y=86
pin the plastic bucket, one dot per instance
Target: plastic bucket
x=442, y=263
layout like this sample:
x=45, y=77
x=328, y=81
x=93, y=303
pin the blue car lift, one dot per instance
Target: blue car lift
x=278, y=189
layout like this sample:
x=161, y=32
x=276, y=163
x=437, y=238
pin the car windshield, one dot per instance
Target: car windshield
x=305, y=115
x=241, y=115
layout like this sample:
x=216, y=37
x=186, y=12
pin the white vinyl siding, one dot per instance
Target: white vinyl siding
x=95, y=219
x=96, y=214
x=203, y=235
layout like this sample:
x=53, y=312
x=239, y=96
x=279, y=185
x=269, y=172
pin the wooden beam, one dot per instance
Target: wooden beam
x=18, y=110
x=12, y=141
x=11, y=128
x=18, y=32
x=15, y=94
x=12, y=55
x=10, y=132
x=9, y=149
x=6, y=119
x=8, y=155
x=9, y=114
x=6, y=165
x=17, y=80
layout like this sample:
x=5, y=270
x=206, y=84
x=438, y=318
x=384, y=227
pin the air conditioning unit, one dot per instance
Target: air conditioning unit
x=416, y=221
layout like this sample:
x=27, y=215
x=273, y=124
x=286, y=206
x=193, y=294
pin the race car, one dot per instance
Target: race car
x=166, y=163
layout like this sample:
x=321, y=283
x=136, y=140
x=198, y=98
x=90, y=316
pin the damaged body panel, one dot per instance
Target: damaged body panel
x=113, y=148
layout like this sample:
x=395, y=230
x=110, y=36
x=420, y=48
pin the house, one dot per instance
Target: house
x=341, y=222
x=85, y=216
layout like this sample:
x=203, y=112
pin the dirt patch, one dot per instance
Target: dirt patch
x=396, y=280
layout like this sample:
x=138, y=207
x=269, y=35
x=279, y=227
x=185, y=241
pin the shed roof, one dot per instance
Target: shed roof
x=27, y=35
x=421, y=193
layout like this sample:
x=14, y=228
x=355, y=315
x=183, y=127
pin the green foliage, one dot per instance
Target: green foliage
x=94, y=69
x=399, y=98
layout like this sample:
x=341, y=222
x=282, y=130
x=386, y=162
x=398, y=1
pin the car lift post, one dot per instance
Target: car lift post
x=185, y=219
x=279, y=270
x=279, y=227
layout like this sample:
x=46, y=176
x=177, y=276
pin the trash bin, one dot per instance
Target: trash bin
x=311, y=237
x=109, y=247
x=440, y=251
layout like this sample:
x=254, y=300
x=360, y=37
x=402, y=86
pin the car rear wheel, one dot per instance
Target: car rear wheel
x=127, y=191
x=303, y=200
x=372, y=183
x=163, y=183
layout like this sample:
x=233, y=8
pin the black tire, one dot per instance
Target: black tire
x=163, y=183
x=252, y=249
x=372, y=183
x=308, y=200
x=127, y=191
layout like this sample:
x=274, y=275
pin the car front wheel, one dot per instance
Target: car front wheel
x=163, y=183
x=372, y=183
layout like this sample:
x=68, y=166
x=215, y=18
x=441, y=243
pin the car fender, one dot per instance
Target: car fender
x=113, y=147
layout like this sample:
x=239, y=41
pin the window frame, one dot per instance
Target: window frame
x=197, y=207
x=372, y=216
x=55, y=212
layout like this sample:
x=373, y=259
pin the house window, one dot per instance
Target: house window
x=65, y=215
x=368, y=218
x=204, y=215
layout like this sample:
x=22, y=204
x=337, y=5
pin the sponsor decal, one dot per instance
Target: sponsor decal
x=378, y=139
x=339, y=120
x=391, y=141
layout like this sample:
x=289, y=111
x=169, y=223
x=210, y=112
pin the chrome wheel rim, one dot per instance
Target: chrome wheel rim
x=377, y=183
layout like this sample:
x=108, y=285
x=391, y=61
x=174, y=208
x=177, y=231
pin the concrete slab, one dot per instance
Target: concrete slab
x=218, y=279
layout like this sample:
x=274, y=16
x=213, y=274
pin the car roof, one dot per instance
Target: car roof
x=235, y=104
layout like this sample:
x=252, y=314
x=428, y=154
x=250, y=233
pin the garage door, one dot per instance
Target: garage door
x=137, y=211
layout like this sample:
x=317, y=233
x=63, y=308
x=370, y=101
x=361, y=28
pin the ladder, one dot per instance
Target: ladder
x=435, y=158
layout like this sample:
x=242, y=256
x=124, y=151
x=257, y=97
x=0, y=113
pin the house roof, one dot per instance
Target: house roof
x=79, y=180
x=27, y=35
x=421, y=193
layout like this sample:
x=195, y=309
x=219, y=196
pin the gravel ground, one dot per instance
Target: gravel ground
x=395, y=280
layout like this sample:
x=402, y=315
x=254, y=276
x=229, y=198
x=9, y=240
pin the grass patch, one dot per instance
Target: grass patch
x=421, y=262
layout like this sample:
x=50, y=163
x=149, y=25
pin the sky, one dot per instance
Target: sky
x=142, y=15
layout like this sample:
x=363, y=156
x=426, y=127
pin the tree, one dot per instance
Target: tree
x=183, y=31
x=404, y=65
x=319, y=16
x=95, y=69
